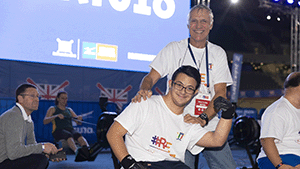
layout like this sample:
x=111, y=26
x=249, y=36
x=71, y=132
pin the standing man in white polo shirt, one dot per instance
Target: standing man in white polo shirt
x=211, y=61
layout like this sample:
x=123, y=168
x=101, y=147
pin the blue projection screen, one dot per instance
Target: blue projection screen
x=110, y=34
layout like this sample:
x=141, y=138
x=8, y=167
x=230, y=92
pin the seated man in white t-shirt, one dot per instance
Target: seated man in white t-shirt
x=156, y=134
x=280, y=129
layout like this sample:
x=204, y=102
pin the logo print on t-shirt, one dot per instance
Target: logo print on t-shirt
x=180, y=136
x=160, y=142
x=210, y=65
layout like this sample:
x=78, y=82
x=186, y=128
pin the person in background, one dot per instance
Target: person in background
x=61, y=117
x=280, y=129
x=211, y=61
x=18, y=146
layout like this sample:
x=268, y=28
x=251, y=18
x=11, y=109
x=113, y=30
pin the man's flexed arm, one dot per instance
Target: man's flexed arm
x=219, y=136
x=220, y=90
x=146, y=85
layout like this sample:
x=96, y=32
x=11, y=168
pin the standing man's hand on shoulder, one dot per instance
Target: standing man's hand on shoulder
x=141, y=94
x=146, y=85
x=194, y=120
x=220, y=90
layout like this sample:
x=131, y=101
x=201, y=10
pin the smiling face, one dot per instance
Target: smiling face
x=199, y=27
x=180, y=97
x=29, y=100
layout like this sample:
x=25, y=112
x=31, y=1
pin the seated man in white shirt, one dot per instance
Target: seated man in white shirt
x=156, y=134
x=280, y=129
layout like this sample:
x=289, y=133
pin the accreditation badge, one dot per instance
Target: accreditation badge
x=201, y=103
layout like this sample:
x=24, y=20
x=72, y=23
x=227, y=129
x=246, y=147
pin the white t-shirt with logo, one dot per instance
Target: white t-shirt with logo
x=281, y=120
x=155, y=133
x=176, y=54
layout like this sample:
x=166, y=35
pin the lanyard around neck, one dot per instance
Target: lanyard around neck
x=206, y=53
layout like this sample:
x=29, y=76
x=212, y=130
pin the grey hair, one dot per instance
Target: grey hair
x=199, y=7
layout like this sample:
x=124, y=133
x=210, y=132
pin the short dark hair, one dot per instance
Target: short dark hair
x=22, y=88
x=58, y=95
x=190, y=71
x=293, y=81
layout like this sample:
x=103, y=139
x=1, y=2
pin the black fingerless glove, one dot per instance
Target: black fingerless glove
x=129, y=163
x=227, y=108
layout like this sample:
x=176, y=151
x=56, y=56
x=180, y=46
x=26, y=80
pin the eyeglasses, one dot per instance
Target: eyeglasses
x=179, y=87
x=31, y=95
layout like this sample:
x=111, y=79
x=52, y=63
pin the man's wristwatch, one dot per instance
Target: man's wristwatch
x=204, y=116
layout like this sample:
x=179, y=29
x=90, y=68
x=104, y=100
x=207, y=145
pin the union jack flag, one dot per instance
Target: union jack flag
x=48, y=91
x=118, y=96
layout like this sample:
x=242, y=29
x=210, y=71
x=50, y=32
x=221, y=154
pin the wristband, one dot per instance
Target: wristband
x=204, y=116
x=279, y=165
x=43, y=146
x=229, y=113
x=128, y=162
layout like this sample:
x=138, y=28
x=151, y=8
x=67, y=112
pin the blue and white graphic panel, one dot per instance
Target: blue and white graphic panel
x=110, y=34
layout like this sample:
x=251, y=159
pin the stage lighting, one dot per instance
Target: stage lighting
x=290, y=2
x=278, y=19
x=269, y=17
x=287, y=3
x=234, y=1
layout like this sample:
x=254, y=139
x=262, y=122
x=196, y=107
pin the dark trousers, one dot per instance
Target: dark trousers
x=33, y=161
x=166, y=165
